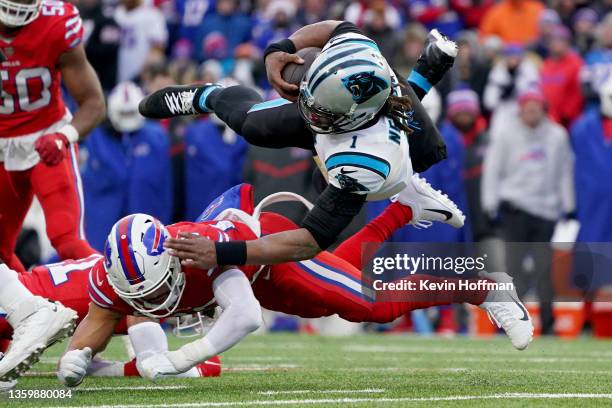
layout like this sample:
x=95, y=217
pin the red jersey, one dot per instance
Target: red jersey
x=65, y=282
x=31, y=100
x=198, y=294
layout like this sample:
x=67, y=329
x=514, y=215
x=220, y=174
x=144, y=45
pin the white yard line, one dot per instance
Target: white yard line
x=363, y=391
x=134, y=388
x=353, y=400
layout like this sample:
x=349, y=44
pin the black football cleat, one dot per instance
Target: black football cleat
x=437, y=57
x=179, y=100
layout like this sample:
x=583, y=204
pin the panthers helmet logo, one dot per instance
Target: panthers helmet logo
x=364, y=85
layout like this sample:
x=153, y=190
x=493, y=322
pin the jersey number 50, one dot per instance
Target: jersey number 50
x=7, y=104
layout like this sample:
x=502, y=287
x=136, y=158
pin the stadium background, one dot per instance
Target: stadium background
x=558, y=53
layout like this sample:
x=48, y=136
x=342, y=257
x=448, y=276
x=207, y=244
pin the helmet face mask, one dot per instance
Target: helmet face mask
x=161, y=301
x=140, y=270
x=16, y=13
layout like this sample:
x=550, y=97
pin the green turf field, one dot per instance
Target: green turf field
x=363, y=371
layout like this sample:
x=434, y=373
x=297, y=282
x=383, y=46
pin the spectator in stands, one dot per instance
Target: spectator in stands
x=143, y=37
x=591, y=138
x=278, y=25
x=584, y=23
x=435, y=14
x=127, y=168
x=548, y=21
x=528, y=182
x=514, y=21
x=598, y=62
x=511, y=75
x=102, y=46
x=412, y=43
x=377, y=27
x=186, y=19
x=470, y=67
x=472, y=11
x=312, y=11
x=222, y=31
x=466, y=123
x=560, y=78
x=357, y=12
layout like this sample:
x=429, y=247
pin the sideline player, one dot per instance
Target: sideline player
x=67, y=282
x=139, y=277
x=352, y=110
x=42, y=44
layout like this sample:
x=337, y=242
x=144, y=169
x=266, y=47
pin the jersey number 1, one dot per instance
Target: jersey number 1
x=59, y=271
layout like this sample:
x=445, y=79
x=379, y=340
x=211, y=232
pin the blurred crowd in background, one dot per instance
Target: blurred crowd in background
x=529, y=142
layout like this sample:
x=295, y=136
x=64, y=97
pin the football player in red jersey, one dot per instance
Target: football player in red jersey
x=139, y=277
x=67, y=282
x=42, y=42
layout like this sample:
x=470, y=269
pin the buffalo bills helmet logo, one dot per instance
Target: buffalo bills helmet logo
x=153, y=240
x=364, y=85
x=108, y=262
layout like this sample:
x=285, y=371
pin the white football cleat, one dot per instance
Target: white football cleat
x=429, y=205
x=508, y=312
x=38, y=324
x=443, y=43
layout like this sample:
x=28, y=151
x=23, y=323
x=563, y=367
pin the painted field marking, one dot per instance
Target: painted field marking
x=353, y=400
x=134, y=388
x=363, y=391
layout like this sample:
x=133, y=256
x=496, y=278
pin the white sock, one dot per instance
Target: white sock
x=148, y=338
x=104, y=368
x=12, y=291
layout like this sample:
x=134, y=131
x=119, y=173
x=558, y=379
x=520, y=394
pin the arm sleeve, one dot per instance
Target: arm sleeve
x=333, y=212
x=241, y=315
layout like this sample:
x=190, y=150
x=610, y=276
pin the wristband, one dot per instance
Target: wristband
x=70, y=132
x=231, y=253
x=285, y=45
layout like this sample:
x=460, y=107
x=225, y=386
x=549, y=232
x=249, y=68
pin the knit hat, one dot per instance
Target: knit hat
x=463, y=100
x=531, y=94
x=586, y=14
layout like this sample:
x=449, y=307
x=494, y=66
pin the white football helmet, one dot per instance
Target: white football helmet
x=344, y=88
x=140, y=270
x=123, y=107
x=605, y=98
x=17, y=14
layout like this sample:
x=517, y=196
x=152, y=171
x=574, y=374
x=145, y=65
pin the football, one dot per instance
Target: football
x=293, y=72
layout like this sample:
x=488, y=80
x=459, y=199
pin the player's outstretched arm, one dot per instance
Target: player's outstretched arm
x=332, y=213
x=83, y=85
x=241, y=315
x=91, y=336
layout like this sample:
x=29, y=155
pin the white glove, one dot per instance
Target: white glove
x=156, y=366
x=73, y=366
